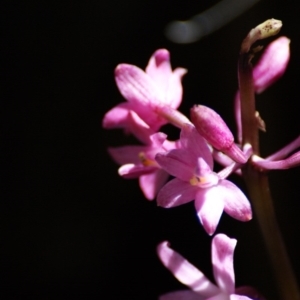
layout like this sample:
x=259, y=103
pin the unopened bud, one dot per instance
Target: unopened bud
x=212, y=127
x=272, y=64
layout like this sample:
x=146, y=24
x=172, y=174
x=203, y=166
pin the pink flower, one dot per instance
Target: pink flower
x=200, y=287
x=146, y=92
x=192, y=165
x=139, y=162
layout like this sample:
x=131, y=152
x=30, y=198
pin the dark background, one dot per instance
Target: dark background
x=70, y=227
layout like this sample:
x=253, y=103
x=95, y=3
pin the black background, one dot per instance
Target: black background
x=70, y=227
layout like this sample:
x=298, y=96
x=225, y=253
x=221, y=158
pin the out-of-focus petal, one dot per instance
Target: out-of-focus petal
x=222, y=260
x=151, y=183
x=220, y=296
x=132, y=171
x=239, y=297
x=249, y=292
x=158, y=139
x=176, y=192
x=117, y=117
x=185, y=272
x=209, y=207
x=236, y=203
x=174, y=162
x=192, y=141
x=272, y=64
x=182, y=295
x=127, y=154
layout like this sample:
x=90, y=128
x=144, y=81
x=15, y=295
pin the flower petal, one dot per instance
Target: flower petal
x=192, y=141
x=117, y=117
x=185, y=272
x=236, y=203
x=239, y=297
x=133, y=171
x=127, y=154
x=222, y=250
x=174, y=91
x=182, y=295
x=175, y=163
x=176, y=192
x=159, y=68
x=136, y=86
x=209, y=207
x=151, y=183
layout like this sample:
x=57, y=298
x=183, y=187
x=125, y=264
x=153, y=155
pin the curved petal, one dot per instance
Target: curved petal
x=222, y=250
x=174, y=162
x=136, y=86
x=182, y=295
x=174, y=90
x=159, y=68
x=117, y=117
x=209, y=207
x=134, y=171
x=127, y=154
x=220, y=296
x=151, y=183
x=249, y=292
x=192, y=141
x=139, y=128
x=176, y=192
x=185, y=272
x=239, y=297
x=236, y=203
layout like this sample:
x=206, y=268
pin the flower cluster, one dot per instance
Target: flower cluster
x=153, y=97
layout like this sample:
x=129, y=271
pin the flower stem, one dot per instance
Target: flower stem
x=258, y=187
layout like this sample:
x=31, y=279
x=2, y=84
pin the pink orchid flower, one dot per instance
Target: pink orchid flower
x=139, y=162
x=200, y=287
x=192, y=165
x=146, y=92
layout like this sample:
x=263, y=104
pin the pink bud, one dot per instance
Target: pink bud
x=212, y=127
x=272, y=64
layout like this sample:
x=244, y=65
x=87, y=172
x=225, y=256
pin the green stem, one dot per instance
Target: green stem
x=258, y=187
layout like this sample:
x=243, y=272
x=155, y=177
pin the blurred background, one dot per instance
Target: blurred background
x=70, y=227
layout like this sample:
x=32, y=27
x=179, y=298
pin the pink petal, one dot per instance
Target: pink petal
x=117, y=116
x=136, y=86
x=222, y=250
x=185, y=272
x=176, y=192
x=220, y=296
x=158, y=139
x=182, y=295
x=209, y=207
x=174, y=162
x=239, y=297
x=127, y=154
x=249, y=292
x=159, y=68
x=133, y=171
x=174, y=91
x=272, y=64
x=151, y=183
x=139, y=128
x=191, y=140
x=236, y=203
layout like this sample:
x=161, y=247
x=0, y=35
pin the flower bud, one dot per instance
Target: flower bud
x=212, y=127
